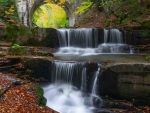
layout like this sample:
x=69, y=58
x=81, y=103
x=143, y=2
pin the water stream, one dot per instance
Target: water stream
x=67, y=92
x=83, y=41
x=70, y=91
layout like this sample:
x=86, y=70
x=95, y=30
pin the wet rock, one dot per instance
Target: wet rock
x=127, y=67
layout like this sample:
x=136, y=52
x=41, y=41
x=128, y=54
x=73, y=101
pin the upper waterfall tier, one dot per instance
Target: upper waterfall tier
x=82, y=38
x=113, y=36
x=89, y=41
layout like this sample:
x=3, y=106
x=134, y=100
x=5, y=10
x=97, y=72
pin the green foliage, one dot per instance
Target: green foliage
x=8, y=11
x=50, y=16
x=65, y=24
x=84, y=7
x=146, y=24
x=107, y=23
x=124, y=10
x=16, y=49
x=16, y=46
x=44, y=53
x=148, y=57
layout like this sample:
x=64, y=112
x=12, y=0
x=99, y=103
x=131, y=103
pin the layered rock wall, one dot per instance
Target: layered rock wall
x=126, y=81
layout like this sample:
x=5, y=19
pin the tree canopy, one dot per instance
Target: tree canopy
x=50, y=15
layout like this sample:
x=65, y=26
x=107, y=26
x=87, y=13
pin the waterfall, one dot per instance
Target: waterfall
x=85, y=41
x=105, y=35
x=81, y=38
x=114, y=42
x=64, y=72
x=116, y=36
x=68, y=91
x=95, y=88
x=83, y=83
x=113, y=36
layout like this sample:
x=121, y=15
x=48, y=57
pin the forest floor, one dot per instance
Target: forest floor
x=18, y=97
x=97, y=19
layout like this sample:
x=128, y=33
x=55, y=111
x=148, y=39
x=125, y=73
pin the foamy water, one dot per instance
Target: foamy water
x=66, y=98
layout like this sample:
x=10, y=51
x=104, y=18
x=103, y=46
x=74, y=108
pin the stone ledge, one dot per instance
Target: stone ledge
x=126, y=81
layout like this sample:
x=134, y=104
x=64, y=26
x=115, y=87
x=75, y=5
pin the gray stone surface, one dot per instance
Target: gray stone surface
x=126, y=81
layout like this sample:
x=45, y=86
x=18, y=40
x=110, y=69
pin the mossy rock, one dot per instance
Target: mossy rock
x=44, y=53
x=14, y=31
x=17, y=51
x=145, y=25
x=43, y=101
x=39, y=92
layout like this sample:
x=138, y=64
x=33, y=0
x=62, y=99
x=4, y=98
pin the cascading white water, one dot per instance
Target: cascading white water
x=65, y=95
x=84, y=41
x=95, y=88
x=81, y=38
x=114, y=43
x=116, y=36
x=83, y=82
x=106, y=35
x=77, y=41
x=62, y=72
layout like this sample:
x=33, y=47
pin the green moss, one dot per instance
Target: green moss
x=17, y=50
x=40, y=99
x=40, y=93
x=13, y=31
x=44, y=53
x=43, y=101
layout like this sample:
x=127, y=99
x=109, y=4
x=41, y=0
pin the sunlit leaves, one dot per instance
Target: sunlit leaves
x=49, y=15
x=58, y=2
x=84, y=7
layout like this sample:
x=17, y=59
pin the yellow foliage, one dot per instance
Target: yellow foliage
x=12, y=21
x=60, y=3
x=7, y=13
x=51, y=15
x=84, y=7
x=10, y=10
x=48, y=1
